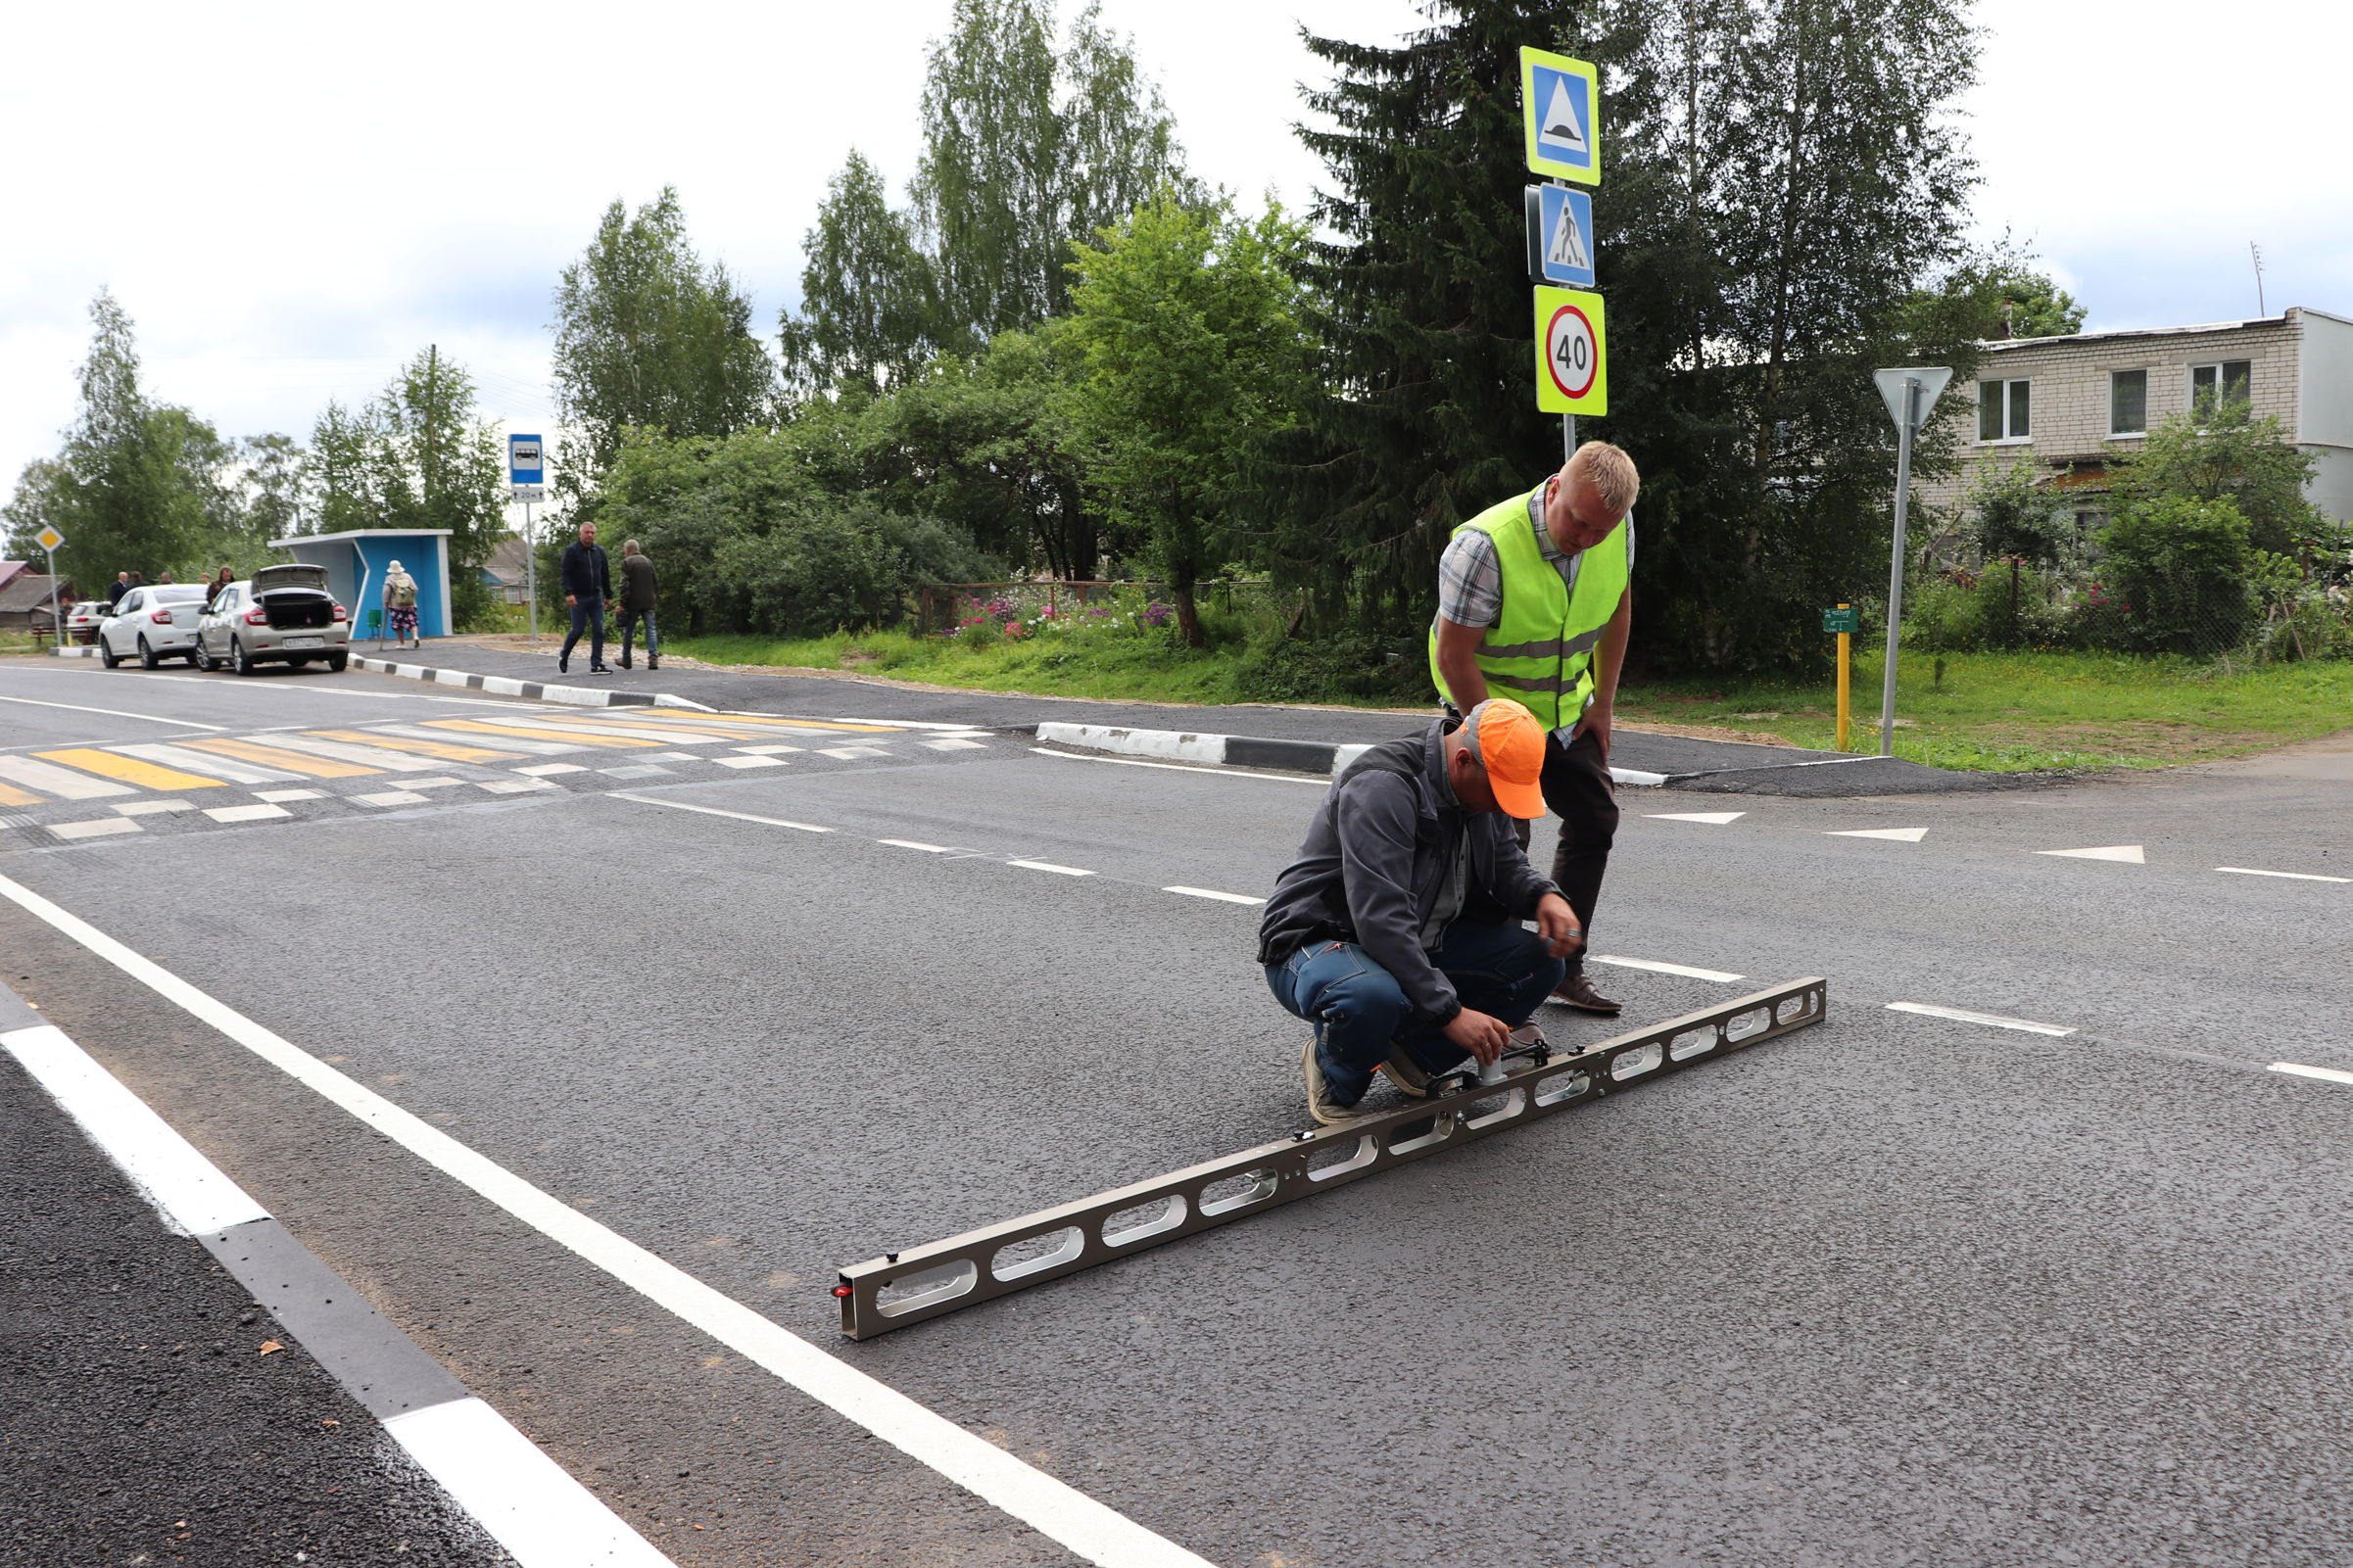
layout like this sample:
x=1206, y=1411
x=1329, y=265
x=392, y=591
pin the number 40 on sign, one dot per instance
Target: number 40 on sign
x=1572, y=371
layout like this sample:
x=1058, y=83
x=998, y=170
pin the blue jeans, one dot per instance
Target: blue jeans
x=587, y=615
x=1358, y=1006
x=629, y=627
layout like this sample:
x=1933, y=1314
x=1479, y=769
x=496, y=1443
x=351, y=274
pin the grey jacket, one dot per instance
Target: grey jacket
x=1379, y=856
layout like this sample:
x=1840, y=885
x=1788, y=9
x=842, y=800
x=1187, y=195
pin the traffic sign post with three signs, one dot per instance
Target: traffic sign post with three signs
x=1561, y=107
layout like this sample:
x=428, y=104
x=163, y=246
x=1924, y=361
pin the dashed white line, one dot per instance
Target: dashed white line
x=911, y=843
x=1657, y=967
x=95, y=829
x=2332, y=1075
x=1901, y=836
x=2291, y=876
x=261, y=813
x=1182, y=766
x=714, y=811
x=2130, y=854
x=274, y=795
x=1965, y=1015
x=1212, y=892
x=1714, y=818
x=1047, y=865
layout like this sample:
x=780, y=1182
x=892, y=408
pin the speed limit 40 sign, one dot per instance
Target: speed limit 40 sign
x=1572, y=368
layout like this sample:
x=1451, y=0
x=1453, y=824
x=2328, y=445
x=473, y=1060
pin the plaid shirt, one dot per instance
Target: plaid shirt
x=1470, y=575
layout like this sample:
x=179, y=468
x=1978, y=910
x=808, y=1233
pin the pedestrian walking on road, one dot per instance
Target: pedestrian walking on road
x=400, y=607
x=1535, y=599
x=637, y=599
x=1396, y=931
x=588, y=582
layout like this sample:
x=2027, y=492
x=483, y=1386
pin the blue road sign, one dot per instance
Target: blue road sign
x=1560, y=103
x=1564, y=236
x=523, y=462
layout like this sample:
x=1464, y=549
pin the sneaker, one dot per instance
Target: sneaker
x=1577, y=992
x=1320, y=1102
x=599, y=669
x=1405, y=1072
x=563, y=664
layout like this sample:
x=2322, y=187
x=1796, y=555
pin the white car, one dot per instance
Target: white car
x=152, y=623
x=280, y=615
x=82, y=618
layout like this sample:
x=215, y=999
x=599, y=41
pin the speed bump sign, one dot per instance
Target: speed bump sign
x=1572, y=370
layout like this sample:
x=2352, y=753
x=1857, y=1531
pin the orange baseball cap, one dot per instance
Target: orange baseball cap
x=1508, y=742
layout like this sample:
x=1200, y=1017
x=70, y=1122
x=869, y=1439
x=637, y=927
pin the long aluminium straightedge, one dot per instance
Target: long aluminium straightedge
x=907, y=1287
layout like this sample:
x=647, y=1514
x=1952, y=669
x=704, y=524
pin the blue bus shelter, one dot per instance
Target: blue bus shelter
x=357, y=563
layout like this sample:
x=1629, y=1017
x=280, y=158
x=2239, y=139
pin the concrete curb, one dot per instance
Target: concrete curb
x=527, y=1503
x=76, y=650
x=1242, y=751
x=578, y=697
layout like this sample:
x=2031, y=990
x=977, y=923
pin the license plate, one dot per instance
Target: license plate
x=305, y=641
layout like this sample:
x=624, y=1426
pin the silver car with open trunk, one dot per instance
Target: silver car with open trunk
x=280, y=615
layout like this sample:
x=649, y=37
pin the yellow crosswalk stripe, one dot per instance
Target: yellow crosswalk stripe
x=712, y=727
x=276, y=757
x=131, y=770
x=444, y=750
x=586, y=736
x=758, y=719
x=11, y=795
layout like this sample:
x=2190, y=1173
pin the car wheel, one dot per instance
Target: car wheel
x=147, y=659
x=107, y=655
x=336, y=661
x=200, y=658
x=240, y=660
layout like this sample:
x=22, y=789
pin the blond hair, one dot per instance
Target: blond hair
x=1611, y=474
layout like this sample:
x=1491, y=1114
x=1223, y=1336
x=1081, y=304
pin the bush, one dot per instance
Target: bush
x=2006, y=605
x=2181, y=569
x=818, y=570
x=1351, y=666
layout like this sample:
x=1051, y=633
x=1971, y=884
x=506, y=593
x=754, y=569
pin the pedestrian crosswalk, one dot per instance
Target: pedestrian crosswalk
x=102, y=791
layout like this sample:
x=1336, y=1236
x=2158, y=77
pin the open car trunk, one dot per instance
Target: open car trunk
x=297, y=607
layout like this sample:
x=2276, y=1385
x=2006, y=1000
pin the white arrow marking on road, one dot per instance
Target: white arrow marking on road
x=1659, y=968
x=1907, y=836
x=2129, y=853
x=1965, y=1015
x=2303, y=1071
x=1713, y=818
x=1211, y=892
x=2292, y=876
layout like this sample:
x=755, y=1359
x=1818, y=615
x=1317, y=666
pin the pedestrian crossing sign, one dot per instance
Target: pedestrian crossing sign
x=1560, y=99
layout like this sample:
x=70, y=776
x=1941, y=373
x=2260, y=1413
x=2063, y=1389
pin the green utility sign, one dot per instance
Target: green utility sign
x=1849, y=619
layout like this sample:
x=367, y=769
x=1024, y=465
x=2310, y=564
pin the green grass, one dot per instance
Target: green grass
x=2007, y=712
x=1992, y=712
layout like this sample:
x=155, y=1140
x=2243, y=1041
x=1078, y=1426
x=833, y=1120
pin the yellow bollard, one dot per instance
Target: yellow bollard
x=1846, y=670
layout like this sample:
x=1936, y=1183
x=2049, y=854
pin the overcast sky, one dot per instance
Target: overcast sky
x=290, y=200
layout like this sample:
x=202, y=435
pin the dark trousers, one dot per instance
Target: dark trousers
x=1576, y=786
x=588, y=614
x=629, y=628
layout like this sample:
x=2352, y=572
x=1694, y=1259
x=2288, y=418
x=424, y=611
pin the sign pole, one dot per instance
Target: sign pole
x=1845, y=670
x=57, y=622
x=1904, y=427
x=1568, y=436
x=531, y=571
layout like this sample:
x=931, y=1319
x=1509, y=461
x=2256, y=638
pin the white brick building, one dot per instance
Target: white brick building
x=2072, y=404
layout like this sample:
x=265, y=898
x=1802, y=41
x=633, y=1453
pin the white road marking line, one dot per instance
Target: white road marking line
x=515, y=787
x=714, y=811
x=63, y=783
x=390, y=798
x=1089, y=1528
x=847, y=753
x=191, y=1193
x=95, y=829
x=261, y=813
x=1047, y=865
x=748, y=762
x=2291, y=876
x=1901, y=836
x=152, y=718
x=1183, y=767
x=283, y=794
x=148, y=808
x=766, y=750
x=1211, y=892
x=2332, y=1075
x=954, y=743
x=1657, y=968
x=366, y=756
x=1714, y=818
x=1965, y=1015
x=204, y=763
x=910, y=843
x=528, y=1503
x=542, y=770
x=2127, y=853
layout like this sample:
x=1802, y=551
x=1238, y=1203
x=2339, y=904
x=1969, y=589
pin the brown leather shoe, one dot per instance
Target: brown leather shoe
x=1577, y=992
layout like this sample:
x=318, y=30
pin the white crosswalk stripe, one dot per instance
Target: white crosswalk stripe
x=63, y=782
x=204, y=763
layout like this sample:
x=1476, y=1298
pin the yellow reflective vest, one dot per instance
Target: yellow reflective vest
x=1540, y=651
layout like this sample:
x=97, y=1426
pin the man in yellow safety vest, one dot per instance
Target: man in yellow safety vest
x=1534, y=603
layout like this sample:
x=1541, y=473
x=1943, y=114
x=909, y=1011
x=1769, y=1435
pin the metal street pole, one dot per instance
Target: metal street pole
x=57, y=622
x=1903, y=495
x=531, y=571
x=1568, y=436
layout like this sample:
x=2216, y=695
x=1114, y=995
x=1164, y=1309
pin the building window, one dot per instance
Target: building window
x=2002, y=410
x=2229, y=379
x=2128, y=403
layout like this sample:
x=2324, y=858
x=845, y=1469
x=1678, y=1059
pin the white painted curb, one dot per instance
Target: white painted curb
x=1242, y=751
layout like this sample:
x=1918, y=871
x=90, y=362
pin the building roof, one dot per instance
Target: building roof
x=361, y=533
x=1995, y=345
x=507, y=561
x=10, y=571
x=31, y=590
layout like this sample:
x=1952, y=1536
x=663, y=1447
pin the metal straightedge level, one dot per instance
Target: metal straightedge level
x=902, y=1288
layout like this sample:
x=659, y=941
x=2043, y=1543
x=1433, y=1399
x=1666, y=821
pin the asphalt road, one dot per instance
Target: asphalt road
x=1900, y=1289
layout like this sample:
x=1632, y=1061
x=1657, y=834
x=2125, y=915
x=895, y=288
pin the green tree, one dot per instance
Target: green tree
x=1992, y=294
x=1189, y=339
x=273, y=481
x=2181, y=569
x=2238, y=456
x=872, y=294
x=645, y=334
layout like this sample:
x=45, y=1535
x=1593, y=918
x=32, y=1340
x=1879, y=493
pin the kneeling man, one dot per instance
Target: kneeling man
x=1396, y=931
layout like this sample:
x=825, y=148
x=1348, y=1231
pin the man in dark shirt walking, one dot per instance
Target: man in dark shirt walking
x=588, y=582
x=637, y=599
